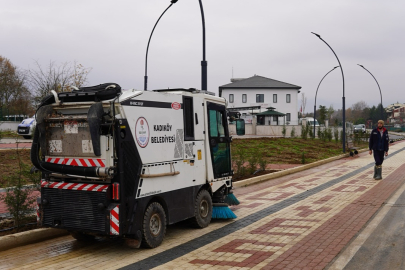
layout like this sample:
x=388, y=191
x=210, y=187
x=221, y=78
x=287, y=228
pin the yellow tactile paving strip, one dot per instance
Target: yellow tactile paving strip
x=253, y=246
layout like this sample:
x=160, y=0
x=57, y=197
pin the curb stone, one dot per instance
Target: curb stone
x=29, y=237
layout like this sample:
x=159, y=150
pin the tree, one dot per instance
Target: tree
x=322, y=114
x=358, y=110
x=12, y=89
x=60, y=78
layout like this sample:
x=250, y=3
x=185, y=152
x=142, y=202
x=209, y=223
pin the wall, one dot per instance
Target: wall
x=9, y=125
x=275, y=131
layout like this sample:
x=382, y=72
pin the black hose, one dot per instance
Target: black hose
x=67, y=169
x=34, y=154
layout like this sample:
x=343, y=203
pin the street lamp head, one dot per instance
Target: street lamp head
x=173, y=1
x=360, y=65
x=316, y=34
x=336, y=67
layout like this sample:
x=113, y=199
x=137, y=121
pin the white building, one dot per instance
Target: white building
x=263, y=92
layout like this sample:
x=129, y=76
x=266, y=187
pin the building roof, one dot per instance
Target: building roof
x=271, y=111
x=257, y=82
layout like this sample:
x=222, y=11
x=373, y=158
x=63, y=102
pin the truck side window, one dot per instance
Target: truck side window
x=188, y=118
x=216, y=125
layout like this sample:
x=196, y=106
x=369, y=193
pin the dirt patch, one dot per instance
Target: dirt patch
x=7, y=226
x=9, y=163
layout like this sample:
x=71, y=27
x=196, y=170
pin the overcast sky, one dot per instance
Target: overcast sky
x=268, y=38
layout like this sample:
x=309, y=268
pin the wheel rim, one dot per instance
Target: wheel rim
x=204, y=208
x=155, y=224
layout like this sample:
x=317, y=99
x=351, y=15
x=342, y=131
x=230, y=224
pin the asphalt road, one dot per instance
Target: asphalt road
x=384, y=248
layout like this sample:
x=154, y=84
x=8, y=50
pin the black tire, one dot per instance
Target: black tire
x=202, y=209
x=154, y=225
x=27, y=137
x=79, y=236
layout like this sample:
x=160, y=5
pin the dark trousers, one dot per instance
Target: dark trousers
x=378, y=157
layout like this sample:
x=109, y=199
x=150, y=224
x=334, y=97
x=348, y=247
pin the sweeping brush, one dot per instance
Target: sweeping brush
x=230, y=199
x=222, y=211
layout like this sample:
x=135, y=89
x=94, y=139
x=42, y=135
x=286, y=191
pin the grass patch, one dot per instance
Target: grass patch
x=9, y=165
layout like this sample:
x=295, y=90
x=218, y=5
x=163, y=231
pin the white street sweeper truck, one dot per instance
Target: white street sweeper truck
x=127, y=163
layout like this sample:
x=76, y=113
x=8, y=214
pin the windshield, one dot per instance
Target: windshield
x=358, y=126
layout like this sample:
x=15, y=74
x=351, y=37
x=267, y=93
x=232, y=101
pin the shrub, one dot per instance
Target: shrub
x=284, y=130
x=319, y=132
x=311, y=133
x=18, y=198
x=262, y=160
x=253, y=160
x=240, y=160
x=293, y=132
x=336, y=134
x=328, y=134
x=304, y=131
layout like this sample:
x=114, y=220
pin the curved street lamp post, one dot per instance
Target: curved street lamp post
x=343, y=98
x=382, y=115
x=203, y=62
x=145, y=82
x=317, y=94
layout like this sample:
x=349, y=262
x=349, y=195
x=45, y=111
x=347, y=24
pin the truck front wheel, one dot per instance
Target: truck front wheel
x=202, y=209
x=154, y=225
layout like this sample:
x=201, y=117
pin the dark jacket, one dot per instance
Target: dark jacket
x=378, y=143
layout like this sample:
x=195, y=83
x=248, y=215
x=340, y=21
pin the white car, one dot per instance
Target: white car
x=359, y=128
x=27, y=127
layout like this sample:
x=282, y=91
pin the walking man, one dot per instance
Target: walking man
x=378, y=144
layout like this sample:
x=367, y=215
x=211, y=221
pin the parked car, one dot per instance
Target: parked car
x=27, y=127
x=397, y=126
x=359, y=128
x=310, y=121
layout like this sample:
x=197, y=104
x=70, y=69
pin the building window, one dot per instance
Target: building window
x=244, y=98
x=274, y=98
x=275, y=118
x=288, y=117
x=230, y=98
x=259, y=98
x=288, y=98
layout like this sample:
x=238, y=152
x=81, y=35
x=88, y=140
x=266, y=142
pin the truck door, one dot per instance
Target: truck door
x=219, y=140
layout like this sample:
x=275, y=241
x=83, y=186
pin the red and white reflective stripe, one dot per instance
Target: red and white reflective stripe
x=74, y=186
x=115, y=221
x=81, y=162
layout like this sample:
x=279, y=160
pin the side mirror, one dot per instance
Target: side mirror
x=240, y=127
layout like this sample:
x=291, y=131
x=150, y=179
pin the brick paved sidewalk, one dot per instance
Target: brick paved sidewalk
x=301, y=221
x=14, y=145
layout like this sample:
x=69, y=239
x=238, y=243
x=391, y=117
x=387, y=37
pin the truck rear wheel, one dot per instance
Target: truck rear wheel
x=202, y=209
x=154, y=225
